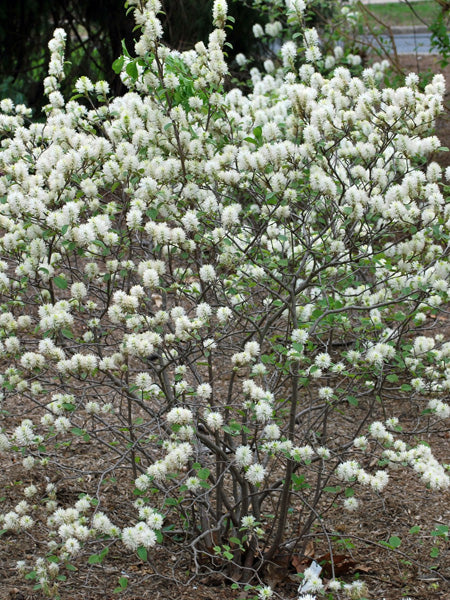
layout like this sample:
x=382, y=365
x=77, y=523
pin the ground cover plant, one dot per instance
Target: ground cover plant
x=230, y=299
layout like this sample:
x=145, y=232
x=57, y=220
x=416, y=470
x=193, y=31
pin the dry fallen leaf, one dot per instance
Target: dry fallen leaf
x=342, y=564
x=309, y=550
x=157, y=299
x=277, y=570
x=300, y=563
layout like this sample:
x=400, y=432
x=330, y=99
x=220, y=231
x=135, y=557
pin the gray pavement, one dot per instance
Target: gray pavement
x=384, y=1
x=409, y=41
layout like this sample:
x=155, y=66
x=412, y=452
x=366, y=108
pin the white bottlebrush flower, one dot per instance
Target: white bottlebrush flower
x=220, y=9
x=30, y=491
x=360, y=442
x=271, y=432
x=84, y=85
x=323, y=452
x=241, y=59
x=325, y=393
x=209, y=344
x=299, y=336
x=351, y=503
x=255, y=473
x=379, y=481
x=263, y=411
x=244, y=456
x=304, y=453
x=203, y=310
x=264, y=593
x=223, y=314
x=207, y=273
x=258, y=32
x=4, y=442
x=204, y=391
x=193, y=484
x=288, y=53
x=179, y=415
x=214, y=420
x=323, y=360
x=72, y=546
x=347, y=470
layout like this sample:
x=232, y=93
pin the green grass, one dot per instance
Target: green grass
x=399, y=13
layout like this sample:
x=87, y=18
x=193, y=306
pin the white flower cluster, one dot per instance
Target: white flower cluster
x=178, y=236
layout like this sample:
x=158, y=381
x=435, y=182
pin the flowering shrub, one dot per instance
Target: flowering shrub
x=204, y=286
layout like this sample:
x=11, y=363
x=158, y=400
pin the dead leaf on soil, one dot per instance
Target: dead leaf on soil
x=362, y=569
x=157, y=299
x=309, y=550
x=277, y=570
x=300, y=563
x=342, y=564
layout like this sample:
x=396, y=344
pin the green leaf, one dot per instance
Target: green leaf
x=203, y=473
x=118, y=64
x=434, y=552
x=123, y=584
x=266, y=359
x=60, y=282
x=53, y=558
x=441, y=530
x=257, y=132
x=395, y=542
x=31, y=575
x=352, y=400
x=132, y=70
x=171, y=502
x=94, y=559
x=332, y=490
x=415, y=529
x=77, y=431
x=392, y=378
x=142, y=553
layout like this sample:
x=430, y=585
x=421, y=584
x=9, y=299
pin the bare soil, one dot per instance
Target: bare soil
x=419, y=567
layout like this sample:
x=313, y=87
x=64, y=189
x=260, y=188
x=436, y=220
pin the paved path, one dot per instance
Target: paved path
x=384, y=1
x=409, y=41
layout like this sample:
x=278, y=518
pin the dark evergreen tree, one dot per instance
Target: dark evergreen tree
x=95, y=33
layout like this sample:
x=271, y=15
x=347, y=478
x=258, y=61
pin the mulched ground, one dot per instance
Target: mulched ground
x=419, y=567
